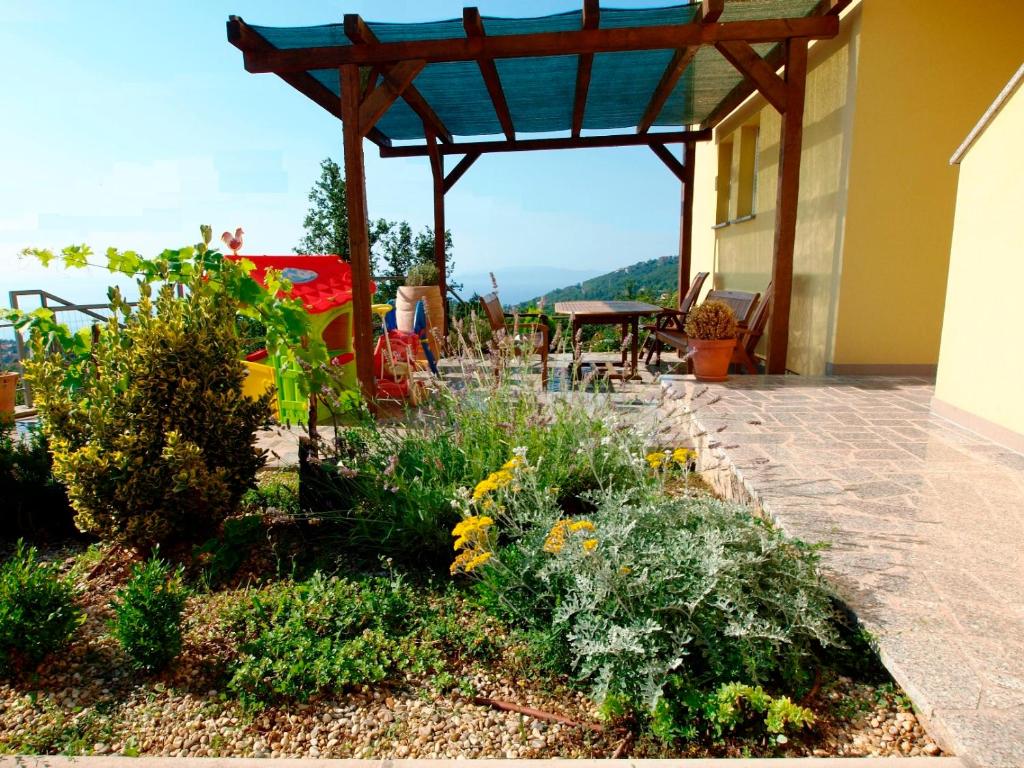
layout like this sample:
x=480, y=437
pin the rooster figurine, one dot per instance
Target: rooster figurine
x=234, y=242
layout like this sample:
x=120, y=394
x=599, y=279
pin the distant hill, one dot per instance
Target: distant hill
x=646, y=279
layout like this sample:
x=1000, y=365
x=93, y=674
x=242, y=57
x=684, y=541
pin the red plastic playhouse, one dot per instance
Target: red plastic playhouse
x=323, y=283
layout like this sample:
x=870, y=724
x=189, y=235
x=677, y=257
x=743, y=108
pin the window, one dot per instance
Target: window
x=723, y=185
x=746, y=192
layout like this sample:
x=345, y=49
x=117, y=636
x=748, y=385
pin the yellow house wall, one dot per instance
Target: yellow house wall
x=927, y=70
x=740, y=255
x=980, y=368
x=887, y=102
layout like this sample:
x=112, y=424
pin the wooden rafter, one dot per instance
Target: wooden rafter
x=775, y=59
x=380, y=99
x=306, y=84
x=671, y=36
x=711, y=10
x=459, y=170
x=745, y=59
x=833, y=7
x=677, y=65
x=527, y=145
x=363, y=37
x=584, y=66
x=474, y=26
x=708, y=13
x=670, y=160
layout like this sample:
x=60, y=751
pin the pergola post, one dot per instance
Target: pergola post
x=437, y=172
x=358, y=228
x=686, y=224
x=788, y=198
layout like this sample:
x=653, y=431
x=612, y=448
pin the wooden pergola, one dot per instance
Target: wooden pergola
x=375, y=78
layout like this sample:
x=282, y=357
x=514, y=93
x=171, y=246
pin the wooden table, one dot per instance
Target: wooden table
x=626, y=314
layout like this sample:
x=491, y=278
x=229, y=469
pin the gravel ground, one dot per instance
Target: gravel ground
x=89, y=701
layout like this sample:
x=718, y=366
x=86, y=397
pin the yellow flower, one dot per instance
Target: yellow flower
x=555, y=541
x=683, y=455
x=655, y=459
x=493, y=482
x=514, y=463
x=477, y=561
x=625, y=570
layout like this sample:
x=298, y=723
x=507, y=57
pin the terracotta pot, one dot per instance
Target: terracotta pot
x=405, y=309
x=8, y=385
x=711, y=358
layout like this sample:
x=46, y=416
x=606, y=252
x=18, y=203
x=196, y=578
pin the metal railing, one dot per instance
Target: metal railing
x=75, y=316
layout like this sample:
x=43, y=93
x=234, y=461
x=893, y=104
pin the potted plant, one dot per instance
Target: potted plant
x=421, y=283
x=8, y=388
x=711, y=337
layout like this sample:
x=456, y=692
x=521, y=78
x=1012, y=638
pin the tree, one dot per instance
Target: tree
x=397, y=250
x=326, y=223
x=393, y=247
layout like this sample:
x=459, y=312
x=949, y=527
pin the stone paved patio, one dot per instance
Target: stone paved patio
x=925, y=522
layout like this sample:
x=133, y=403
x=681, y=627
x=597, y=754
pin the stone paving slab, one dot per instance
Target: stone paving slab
x=925, y=523
x=220, y=762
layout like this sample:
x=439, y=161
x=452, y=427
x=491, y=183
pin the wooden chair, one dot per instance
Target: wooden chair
x=742, y=303
x=672, y=318
x=751, y=333
x=528, y=338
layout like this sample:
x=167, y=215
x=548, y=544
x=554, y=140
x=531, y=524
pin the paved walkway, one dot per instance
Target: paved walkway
x=925, y=521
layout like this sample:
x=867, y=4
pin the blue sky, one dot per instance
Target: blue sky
x=130, y=123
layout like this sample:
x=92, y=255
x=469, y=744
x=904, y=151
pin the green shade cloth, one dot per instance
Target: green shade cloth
x=540, y=90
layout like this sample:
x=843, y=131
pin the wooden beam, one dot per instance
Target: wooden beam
x=788, y=198
x=686, y=219
x=742, y=56
x=363, y=38
x=831, y=7
x=437, y=172
x=474, y=27
x=358, y=229
x=677, y=65
x=304, y=82
x=669, y=160
x=671, y=36
x=567, y=142
x=710, y=10
x=459, y=170
x=743, y=90
x=380, y=99
x=584, y=67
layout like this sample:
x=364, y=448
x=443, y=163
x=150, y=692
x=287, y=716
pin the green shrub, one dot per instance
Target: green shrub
x=38, y=614
x=646, y=588
x=300, y=640
x=147, y=614
x=686, y=713
x=34, y=503
x=156, y=442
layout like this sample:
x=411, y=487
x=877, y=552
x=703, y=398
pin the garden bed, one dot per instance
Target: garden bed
x=89, y=700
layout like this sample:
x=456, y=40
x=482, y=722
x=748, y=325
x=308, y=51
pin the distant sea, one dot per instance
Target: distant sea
x=519, y=284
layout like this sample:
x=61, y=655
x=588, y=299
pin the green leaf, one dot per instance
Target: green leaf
x=76, y=256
